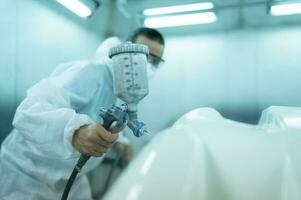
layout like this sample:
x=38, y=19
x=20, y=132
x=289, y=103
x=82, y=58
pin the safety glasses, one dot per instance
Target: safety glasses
x=155, y=60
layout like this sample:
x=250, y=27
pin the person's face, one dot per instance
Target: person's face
x=155, y=50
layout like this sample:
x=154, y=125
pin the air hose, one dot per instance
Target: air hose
x=80, y=163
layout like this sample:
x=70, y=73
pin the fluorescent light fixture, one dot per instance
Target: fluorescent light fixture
x=180, y=20
x=77, y=7
x=179, y=8
x=286, y=9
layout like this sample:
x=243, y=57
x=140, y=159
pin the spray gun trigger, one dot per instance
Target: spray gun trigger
x=117, y=126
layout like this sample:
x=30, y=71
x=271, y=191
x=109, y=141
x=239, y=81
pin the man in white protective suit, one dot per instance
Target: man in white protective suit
x=58, y=120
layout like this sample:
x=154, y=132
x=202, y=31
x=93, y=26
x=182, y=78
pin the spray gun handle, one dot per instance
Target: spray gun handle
x=84, y=158
x=113, y=118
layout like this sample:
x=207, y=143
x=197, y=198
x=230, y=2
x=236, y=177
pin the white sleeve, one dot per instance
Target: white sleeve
x=48, y=118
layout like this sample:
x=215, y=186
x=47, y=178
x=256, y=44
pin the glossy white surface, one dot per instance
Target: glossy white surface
x=206, y=157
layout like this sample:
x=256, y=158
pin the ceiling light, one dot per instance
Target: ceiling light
x=285, y=9
x=180, y=20
x=179, y=8
x=82, y=8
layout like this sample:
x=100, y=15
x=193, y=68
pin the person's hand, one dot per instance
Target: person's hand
x=125, y=150
x=93, y=140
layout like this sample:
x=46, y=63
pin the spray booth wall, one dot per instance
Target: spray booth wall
x=239, y=73
x=34, y=39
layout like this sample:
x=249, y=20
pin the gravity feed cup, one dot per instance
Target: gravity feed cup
x=130, y=80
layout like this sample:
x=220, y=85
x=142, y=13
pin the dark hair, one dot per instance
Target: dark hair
x=150, y=33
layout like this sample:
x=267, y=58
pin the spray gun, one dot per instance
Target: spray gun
x=130, y=80
x=130, y=85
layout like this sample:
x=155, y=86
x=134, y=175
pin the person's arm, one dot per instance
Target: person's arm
x=48, y=117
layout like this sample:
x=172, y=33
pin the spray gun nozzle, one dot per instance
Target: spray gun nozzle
x=138, y=128
x=147, y=133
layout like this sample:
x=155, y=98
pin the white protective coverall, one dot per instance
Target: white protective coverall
x=37, y=157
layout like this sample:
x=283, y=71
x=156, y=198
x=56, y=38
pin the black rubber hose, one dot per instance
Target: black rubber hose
x=69, y=184
x=80, y=163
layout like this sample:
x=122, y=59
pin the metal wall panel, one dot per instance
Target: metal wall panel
x=239, y=73
x=34, y=39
